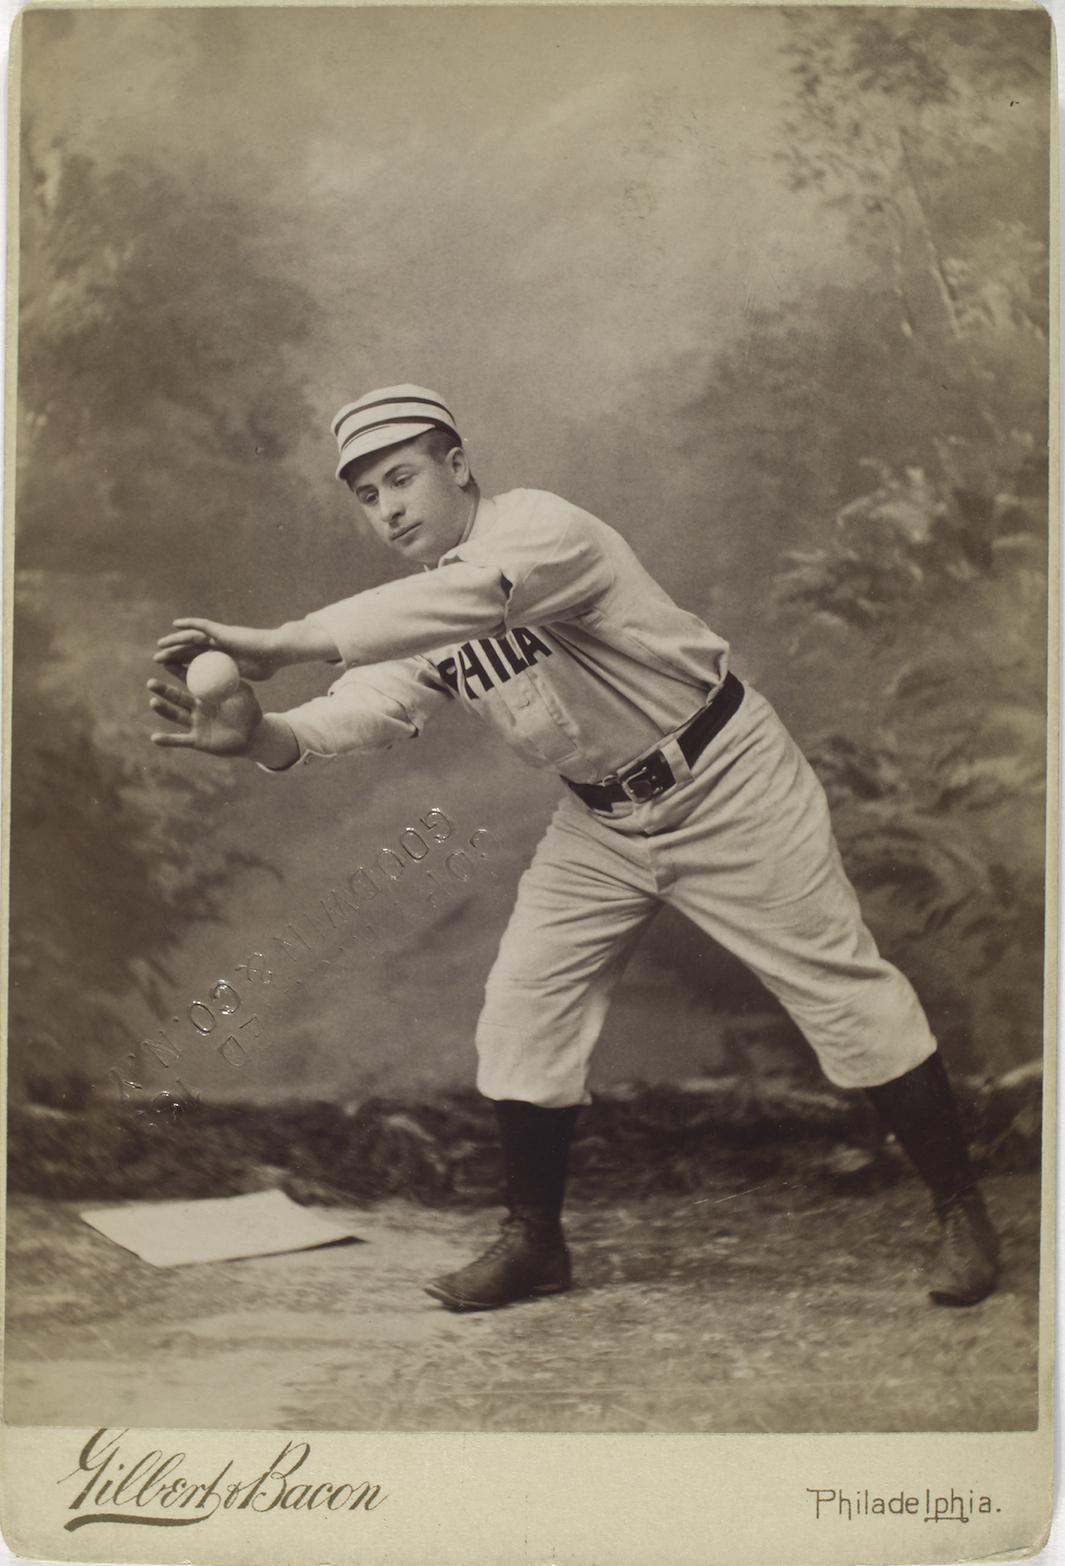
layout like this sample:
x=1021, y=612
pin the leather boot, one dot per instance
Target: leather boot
x=968, y=1259
x=530, y=1256
x=919, y=1108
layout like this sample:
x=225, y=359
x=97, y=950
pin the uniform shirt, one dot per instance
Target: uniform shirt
x=542, y=623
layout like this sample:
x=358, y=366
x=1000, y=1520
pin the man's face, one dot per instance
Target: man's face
x=417, y=505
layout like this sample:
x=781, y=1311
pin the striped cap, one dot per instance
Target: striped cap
x=387, y=417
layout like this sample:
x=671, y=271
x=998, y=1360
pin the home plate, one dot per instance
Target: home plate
x=176, y=1234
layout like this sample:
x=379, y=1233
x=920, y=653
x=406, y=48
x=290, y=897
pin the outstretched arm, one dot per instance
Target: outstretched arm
x=548, y=561
x=366, y=709
x=258, y=654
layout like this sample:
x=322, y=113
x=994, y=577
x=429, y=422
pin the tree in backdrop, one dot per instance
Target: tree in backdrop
x=925, y=589
x=153, y=384
x=875, y=444
x=157, y=399
x=919, y=141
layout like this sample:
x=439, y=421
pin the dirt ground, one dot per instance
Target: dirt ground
x=777, y=1308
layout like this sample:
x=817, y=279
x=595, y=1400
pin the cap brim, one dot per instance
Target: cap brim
x=380, y=439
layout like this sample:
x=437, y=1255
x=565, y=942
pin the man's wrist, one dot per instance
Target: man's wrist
x=273, y=743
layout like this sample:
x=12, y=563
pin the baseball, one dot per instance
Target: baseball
x=212, y=675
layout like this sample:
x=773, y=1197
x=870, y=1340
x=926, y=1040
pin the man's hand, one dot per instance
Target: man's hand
x=225, y=728
x=257, y=653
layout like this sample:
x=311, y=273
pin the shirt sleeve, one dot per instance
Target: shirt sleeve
x=369, y=708
x=553, y=557
x=546, y=561
x=417, y=614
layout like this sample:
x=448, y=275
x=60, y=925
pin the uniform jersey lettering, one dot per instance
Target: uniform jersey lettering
x=530, y=643
x=467, y=670
x=502, y=672
x=511, y=654
x=473, y=669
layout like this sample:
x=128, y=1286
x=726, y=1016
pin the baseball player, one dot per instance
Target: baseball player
x=681, y=786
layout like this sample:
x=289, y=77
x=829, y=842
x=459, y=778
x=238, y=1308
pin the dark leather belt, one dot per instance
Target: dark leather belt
x=650, y=777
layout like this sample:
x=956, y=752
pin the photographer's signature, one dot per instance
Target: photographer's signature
x=119, y=1483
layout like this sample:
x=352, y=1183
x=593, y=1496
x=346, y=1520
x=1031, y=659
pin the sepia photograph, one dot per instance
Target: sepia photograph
x=529, y=531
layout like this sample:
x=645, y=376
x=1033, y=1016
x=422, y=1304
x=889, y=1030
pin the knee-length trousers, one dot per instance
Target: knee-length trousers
x=743, y=846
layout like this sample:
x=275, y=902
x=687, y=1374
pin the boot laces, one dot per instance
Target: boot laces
x=968, y=1239
x=514, y=1230
x=503, y=1244
x=957, y=1238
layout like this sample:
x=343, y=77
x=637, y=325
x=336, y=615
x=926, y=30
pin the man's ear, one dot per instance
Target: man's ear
x=459, y=466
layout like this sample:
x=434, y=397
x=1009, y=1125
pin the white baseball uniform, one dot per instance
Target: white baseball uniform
x=544, y=624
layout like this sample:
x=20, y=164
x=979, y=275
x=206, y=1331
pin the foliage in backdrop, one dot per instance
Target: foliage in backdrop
x=925, y=590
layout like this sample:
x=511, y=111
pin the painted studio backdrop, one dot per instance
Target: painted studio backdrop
x=766, y=290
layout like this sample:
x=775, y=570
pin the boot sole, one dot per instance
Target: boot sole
x=947, y=1297
x=459, y=1302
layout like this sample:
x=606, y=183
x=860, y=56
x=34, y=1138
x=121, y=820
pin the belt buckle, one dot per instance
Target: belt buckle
x=651, y=778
